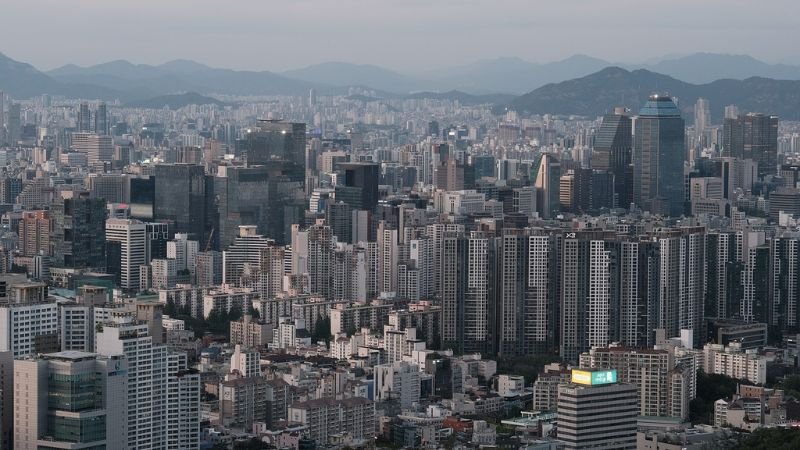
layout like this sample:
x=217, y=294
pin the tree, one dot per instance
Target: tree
x=252, y=444
x=791, y=386
x=322, y=330
x=710, y=388
x=169, y=308
x=235, y=313
x=526, y=366
x=771, y=439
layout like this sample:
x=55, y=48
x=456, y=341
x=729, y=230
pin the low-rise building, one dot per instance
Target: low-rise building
x=327, y=417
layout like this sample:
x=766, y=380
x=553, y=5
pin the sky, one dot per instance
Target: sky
x=411, y=36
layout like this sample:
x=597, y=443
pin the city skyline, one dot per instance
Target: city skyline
x=393, y=35
x=496, y=254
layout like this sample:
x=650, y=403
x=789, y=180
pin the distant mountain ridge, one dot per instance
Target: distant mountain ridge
x=598, y=93
x=181, y=75
x=469, y=84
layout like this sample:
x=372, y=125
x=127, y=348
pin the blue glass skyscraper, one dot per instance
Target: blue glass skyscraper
x=658, y=157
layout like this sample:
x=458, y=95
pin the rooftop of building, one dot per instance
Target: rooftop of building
x=70, y=355
x=660, y=105
x=317, y=403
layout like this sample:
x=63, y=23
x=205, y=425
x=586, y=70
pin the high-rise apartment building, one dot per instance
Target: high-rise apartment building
x=163, y=395
x=243, y=256
x=648, y=369
x=527, y=280
x=321, y=259
x=28, y=319
x=70, y=399
x=326, y=417
x=587, y=274
x=34, y=233
x=184, y=252
x=658, y=159
x=467, y=292
x=784, y=282
x=702, y=120
x=6, y=386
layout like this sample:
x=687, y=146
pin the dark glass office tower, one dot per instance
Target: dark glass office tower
x=242, y=196
x=658, y=157
x=613, y=146
x=359, y=188
x=84, y=118
x=101, y=125
x=184, y=196
x=79, y=231
x=752, y=136
x=276, y=141
x=281, y=148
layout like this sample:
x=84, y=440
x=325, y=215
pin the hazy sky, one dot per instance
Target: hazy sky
x=407, y=35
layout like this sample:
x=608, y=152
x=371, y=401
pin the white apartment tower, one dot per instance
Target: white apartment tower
x=163, y=395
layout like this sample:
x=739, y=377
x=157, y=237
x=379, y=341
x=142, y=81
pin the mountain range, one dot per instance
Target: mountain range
x=579, y=84
x=598, y=93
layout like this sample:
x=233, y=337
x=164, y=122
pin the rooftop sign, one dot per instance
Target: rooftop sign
x=594, y=377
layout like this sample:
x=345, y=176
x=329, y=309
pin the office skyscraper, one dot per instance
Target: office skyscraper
x=613, y=146
x=132, y=238
x=359, y=186
x=281, y=148
x=84, y=124
x=14, y=123
x=276, y=141
x=242, y=198
x=753, y=136
x=595, y=411
x=184, y=196
x=658, y=157
x=101, y=125
x=96, y=147
x=71, y=399
x=79, y=232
